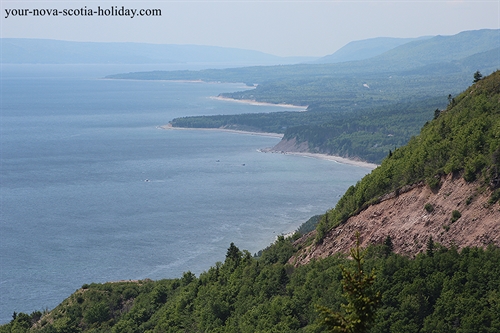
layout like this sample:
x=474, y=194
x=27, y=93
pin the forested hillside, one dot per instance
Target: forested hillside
x=442, y=290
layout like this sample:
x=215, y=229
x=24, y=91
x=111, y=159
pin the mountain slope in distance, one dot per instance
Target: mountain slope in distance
x=364, y=49
x=48, y=51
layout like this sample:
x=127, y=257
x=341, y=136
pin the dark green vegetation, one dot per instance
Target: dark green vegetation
x=358, y=109
x=309, y=225
x=464, y=140
x=441, y=291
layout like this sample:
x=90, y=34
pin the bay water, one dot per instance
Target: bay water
x=93, y=190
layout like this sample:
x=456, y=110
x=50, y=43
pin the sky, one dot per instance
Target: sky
x=283, y=28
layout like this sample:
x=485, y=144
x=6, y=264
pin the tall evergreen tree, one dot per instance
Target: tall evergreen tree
x=359, y=312
x=430, y=247
x=388, y=246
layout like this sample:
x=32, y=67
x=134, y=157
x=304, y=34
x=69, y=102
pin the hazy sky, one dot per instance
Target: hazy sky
x=284, y=28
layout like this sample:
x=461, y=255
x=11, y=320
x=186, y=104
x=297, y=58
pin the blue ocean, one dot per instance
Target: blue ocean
x=93, y=190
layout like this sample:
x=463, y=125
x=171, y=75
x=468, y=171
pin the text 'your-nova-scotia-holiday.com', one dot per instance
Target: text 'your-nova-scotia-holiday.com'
x=115, y=11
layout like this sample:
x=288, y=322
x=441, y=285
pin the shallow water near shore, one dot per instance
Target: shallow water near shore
x=92, y=190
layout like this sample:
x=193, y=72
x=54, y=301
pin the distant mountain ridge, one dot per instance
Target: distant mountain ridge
x=409, y=56
x=443, y=48
x=48, y=51
x=423, y=52
x=365, y=49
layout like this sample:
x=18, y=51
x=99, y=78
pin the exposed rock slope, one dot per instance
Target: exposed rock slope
x=405, y=219
x=291, y=146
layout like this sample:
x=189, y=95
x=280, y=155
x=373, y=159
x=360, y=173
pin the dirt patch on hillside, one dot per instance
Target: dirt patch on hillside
x=405, y=219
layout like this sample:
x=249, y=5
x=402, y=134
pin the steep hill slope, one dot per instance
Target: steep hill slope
x=409, y=225
x=364, y=49
x=440, y=49
x=444, y=184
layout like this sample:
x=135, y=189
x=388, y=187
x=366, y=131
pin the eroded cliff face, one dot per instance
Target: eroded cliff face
x=405, y=219
x=291, y=146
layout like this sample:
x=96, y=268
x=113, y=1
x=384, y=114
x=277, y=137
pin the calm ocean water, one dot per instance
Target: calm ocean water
x=92, y=191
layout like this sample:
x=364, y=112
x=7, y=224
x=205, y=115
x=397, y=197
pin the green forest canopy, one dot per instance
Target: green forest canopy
x=443, y=290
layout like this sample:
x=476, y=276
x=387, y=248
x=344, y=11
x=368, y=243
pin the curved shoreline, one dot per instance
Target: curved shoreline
x=333, y=158
x=253, y=102
x=337, y=159
x=170, y=127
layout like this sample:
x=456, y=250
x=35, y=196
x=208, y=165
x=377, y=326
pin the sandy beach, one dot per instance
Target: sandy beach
x=252, y=102
x=333, y=158
x=170, y=127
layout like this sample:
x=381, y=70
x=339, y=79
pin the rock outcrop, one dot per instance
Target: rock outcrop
x=412, y=217
x=291, y=146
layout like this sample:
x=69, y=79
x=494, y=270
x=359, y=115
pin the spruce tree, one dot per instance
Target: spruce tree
x=359, y=312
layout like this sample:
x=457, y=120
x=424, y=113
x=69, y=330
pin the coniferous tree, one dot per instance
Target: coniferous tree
x=430, y=247
x=388, y=246
x=437, y=112
x=477, y=76
x=359, y=312
x=233, y=255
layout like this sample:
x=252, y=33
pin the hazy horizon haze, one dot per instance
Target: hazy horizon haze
x=281, y=28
